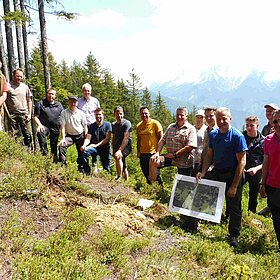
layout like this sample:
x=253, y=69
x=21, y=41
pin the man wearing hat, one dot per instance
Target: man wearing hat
x=269, y=109
x=73, y=130
x=200, y=132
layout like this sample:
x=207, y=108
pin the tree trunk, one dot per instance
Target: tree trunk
x=44, y=42
x=2, y=55
x=25, y=46
x=19, y=36
x=9, y=39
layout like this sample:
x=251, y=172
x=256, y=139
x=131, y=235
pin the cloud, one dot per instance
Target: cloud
x=180, y=39
x=108, y=19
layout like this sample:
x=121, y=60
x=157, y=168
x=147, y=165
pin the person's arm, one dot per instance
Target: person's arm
x=207, y=161
x=265, y=167
x=29, y=107
x=3, y=98
x=40, y=127
x=241, y=162
x=104, y=141
x=253, y=170
x=63, y=135
x=86, y=142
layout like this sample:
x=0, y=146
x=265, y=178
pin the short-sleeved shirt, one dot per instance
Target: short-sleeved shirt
x=99, y=133
x=49, y=114
x=147, y=133
x=200, y=132
x=17, y=96
x=176, y=138
x=266, y=129
x=119, y=129
x=272, y=150
x=88, y=107
x=225, y=147
x=74, y=122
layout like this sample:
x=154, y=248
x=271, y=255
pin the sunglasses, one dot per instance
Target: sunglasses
x=276, y=121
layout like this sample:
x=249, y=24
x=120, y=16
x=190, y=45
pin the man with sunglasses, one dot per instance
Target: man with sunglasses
x=270, y=186
x=254, y=159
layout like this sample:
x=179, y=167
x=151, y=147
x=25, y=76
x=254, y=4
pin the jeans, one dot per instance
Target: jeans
x=233, y=204
x=104, y=154
x=254, y=187
x=273, y=202
x=42, y=139
x=78, y=140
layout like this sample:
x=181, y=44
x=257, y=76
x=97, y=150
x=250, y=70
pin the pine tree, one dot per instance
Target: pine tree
x=146, y=99
x=161, y=112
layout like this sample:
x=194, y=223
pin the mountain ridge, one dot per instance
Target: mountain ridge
x=244, y=95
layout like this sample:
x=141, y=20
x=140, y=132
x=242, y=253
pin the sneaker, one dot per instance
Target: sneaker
x=233, y=241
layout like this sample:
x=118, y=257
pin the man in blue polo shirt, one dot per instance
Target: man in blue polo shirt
x=47, y=118
x=227, y=150
x=99, y=135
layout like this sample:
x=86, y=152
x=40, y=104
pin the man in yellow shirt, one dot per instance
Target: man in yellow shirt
x=149, y=132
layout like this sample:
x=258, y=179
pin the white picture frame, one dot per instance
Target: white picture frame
x=203, y=200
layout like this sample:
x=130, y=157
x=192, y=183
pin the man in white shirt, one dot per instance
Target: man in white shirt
x=73, y=130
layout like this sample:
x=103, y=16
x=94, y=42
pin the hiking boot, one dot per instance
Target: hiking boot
x=233, y=241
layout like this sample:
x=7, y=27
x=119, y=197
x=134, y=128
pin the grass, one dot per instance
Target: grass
x=71, y=241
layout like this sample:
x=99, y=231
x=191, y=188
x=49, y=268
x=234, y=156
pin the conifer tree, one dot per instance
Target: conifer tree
x=161, y=112
x=146, y=99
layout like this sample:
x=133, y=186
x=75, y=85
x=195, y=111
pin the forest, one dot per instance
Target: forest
x=43, y=71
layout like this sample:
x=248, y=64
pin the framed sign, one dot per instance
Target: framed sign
x=203, y=200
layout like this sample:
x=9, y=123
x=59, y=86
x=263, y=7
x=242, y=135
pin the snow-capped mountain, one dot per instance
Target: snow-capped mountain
x=244, y=95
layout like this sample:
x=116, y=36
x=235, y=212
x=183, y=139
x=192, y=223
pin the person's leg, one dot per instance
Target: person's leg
x=105, y=158
x=42, y=139
x=154, y=165
x=144, y=164
x=63, y=149
x=254, y=187
x=125, y=153
x=53, y=143
x=273, y=201
x=13, y=125
x=89, y=151
x=79, y=141
x=26, y=131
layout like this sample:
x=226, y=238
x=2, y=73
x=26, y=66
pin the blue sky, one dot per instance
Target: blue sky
x=166, y=40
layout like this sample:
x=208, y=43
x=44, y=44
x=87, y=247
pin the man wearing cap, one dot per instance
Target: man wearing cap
x=200, y=132
x=269, y=109
x=73, y=130
x=180, y=140
x=268, y=129
x=47, y=118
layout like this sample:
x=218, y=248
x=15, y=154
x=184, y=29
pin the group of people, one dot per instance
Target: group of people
x=211, y=148
x=82, y=124
x=218, y=151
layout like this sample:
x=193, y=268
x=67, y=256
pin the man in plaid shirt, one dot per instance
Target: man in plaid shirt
x=179, y=139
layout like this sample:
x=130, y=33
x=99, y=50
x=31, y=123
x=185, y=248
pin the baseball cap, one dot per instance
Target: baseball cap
x=273, y=106
x=200, y=113
x=73, y=97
